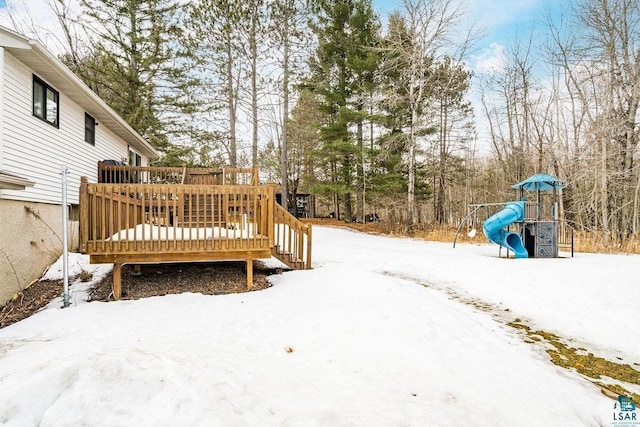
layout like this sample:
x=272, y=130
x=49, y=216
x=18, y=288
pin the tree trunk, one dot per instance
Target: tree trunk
x=285, y=117
x=347, y=180
x=411, y=202
x=360, y=171
x=231, y=105
x=253, y=49
x=442, y=163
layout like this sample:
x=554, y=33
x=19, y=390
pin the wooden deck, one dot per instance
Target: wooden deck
x=156, y=215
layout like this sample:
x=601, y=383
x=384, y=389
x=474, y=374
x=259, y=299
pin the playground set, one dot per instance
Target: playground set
x=537, y=233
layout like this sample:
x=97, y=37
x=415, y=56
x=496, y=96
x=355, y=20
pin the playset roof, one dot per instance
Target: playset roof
x=540, y=181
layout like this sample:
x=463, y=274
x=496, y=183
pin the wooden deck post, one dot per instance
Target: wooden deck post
x=309, y=234
x=117, y=281
x=249, y=273
x=255, y=181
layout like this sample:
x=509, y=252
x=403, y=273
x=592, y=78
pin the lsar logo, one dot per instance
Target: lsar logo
x=624, y=413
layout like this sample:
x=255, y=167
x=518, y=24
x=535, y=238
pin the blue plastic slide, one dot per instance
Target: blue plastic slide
x=495, y=228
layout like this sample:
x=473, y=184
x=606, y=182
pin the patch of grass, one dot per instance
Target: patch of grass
x=85, y=276
x=585, y=363
x=518, y=325
x=614, y=390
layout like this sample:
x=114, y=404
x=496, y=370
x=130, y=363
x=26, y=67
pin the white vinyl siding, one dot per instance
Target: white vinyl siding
x=36, y=150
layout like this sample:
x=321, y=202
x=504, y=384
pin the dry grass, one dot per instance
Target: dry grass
x=585, y=363
x=29, y=301
x=584, y=241
x=420, y=231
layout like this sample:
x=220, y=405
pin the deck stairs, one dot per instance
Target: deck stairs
x=292, y=240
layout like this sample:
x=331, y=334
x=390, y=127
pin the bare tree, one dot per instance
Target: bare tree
x=600, y=56
x=254, y=30
x=511, y=112
x=287, y=32
x=432, y=30
x=216, y=41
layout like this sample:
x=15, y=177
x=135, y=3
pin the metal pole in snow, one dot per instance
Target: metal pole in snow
x=65, y=238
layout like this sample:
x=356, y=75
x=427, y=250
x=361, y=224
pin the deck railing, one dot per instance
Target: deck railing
x=147, y=218
x=292, y=239
x=157, y=211
x=221, y=176
x=153, y=214
x=123, y=174
x=139, y=174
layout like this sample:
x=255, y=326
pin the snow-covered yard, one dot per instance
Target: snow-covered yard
x=377, y=334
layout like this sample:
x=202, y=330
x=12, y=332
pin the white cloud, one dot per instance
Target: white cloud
x=36, y=19
x=491, y=60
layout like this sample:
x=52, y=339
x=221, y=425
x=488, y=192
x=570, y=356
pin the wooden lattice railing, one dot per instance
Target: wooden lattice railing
x=292, y=239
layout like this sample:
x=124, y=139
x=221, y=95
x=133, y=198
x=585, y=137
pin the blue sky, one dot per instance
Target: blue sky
x=503, y=23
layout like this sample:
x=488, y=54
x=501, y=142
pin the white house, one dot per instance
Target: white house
x=48, y=118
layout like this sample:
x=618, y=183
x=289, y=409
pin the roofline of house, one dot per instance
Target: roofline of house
x=41, y=52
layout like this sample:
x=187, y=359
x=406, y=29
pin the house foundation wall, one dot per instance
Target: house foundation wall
x=30, y=240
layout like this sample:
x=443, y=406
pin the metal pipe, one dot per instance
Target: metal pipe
x=65, y=238
x=476, y=206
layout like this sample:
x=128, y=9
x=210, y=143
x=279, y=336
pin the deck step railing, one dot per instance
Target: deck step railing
x=292, y=239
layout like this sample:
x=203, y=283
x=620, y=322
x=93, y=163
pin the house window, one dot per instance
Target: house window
x=134, y=159
x=45, y=102
x=89, y=129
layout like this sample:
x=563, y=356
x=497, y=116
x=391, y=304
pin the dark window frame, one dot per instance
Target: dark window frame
x=135, y=159
x=43, y=90
x=89, y=129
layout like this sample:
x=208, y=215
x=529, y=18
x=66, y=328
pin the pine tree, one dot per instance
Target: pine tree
x=137, y=63
x=215, y=27
x=450, y=84
x=417, y=41
x=304, y=140
x=342, y=71
x=363, y=60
